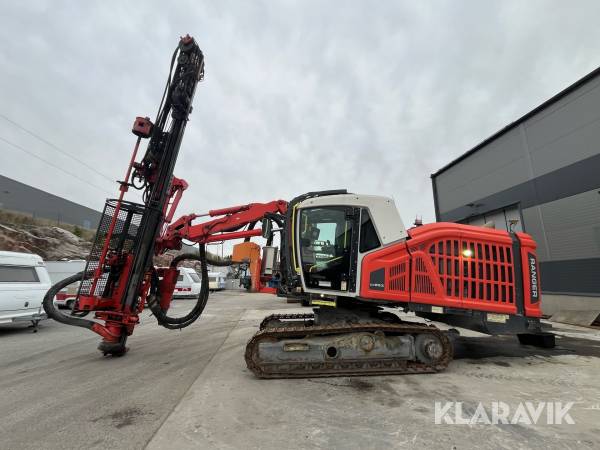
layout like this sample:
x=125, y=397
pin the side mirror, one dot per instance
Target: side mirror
x=267, y=228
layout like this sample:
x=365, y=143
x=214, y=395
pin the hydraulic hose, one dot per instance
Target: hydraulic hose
x=153, y=300
x=54, y=313
x=175, y=323
x=216, y=262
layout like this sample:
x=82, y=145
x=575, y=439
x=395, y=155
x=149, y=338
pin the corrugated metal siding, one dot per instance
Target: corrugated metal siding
x=566, y=229
x=533, y=225
x=567, y=132
x=564, y=133
x=492, y=169
x=578, y=276
x=572, y=225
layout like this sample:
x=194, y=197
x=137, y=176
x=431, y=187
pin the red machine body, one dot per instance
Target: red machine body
x=460, y=267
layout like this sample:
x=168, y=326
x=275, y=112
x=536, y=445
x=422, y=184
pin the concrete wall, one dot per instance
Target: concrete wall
x=551, y=304
x=19, y=197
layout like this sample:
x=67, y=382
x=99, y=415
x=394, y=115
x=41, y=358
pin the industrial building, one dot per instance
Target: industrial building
x=540, y=174
x=22, y=198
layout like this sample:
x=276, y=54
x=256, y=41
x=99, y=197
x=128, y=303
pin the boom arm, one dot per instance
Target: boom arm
x=221, y=229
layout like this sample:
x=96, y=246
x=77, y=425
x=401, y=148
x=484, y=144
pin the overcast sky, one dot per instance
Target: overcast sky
x=298, y=96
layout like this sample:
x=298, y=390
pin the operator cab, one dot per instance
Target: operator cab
x=334, y=232
x=325, y=246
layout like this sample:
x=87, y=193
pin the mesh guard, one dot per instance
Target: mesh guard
x=121, y=240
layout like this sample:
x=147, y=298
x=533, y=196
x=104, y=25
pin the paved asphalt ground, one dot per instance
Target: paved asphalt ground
x=58, y=391
x=191, y=389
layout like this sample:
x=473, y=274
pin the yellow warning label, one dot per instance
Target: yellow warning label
x=437, y=309
x=499, y=318
x=323, y=302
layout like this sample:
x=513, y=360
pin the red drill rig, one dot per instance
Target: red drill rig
x=350, y=253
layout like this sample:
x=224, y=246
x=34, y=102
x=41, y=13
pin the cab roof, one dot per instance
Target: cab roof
x=20, y=258
x=384, y=214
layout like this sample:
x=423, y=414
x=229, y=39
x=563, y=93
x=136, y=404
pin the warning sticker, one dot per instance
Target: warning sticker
x=323, y=302
x=498, y=318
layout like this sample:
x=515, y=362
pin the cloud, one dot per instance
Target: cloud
x=298, y=96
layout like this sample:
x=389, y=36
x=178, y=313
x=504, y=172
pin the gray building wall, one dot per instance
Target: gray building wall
x=19, y=197
x=548, y=165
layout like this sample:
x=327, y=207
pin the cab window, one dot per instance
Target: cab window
x=368, y=235
x=325, y=246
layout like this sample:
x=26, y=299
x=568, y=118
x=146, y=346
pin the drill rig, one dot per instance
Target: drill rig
x=120, y=277
x=350, y=253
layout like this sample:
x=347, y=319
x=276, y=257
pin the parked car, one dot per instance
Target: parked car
x=188, y=283
x=24, y=281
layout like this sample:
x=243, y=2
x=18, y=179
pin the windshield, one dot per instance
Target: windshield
x=195, y=278
x=325, y=244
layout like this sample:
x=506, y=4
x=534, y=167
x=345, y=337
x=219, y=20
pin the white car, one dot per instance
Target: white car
x=188, y=283
x=23, y=283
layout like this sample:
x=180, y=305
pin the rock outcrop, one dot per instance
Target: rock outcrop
x=54, y=243
x=51, y=243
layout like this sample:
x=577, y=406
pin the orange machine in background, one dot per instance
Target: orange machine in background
x=250, y=253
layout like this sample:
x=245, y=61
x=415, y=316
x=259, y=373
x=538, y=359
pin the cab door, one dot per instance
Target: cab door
x=327, y=248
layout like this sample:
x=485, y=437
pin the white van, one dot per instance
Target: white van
x=188, y=283
x=23, y=283
x=216, y=281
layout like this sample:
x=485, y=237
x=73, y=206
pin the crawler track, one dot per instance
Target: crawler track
x=331, y=367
